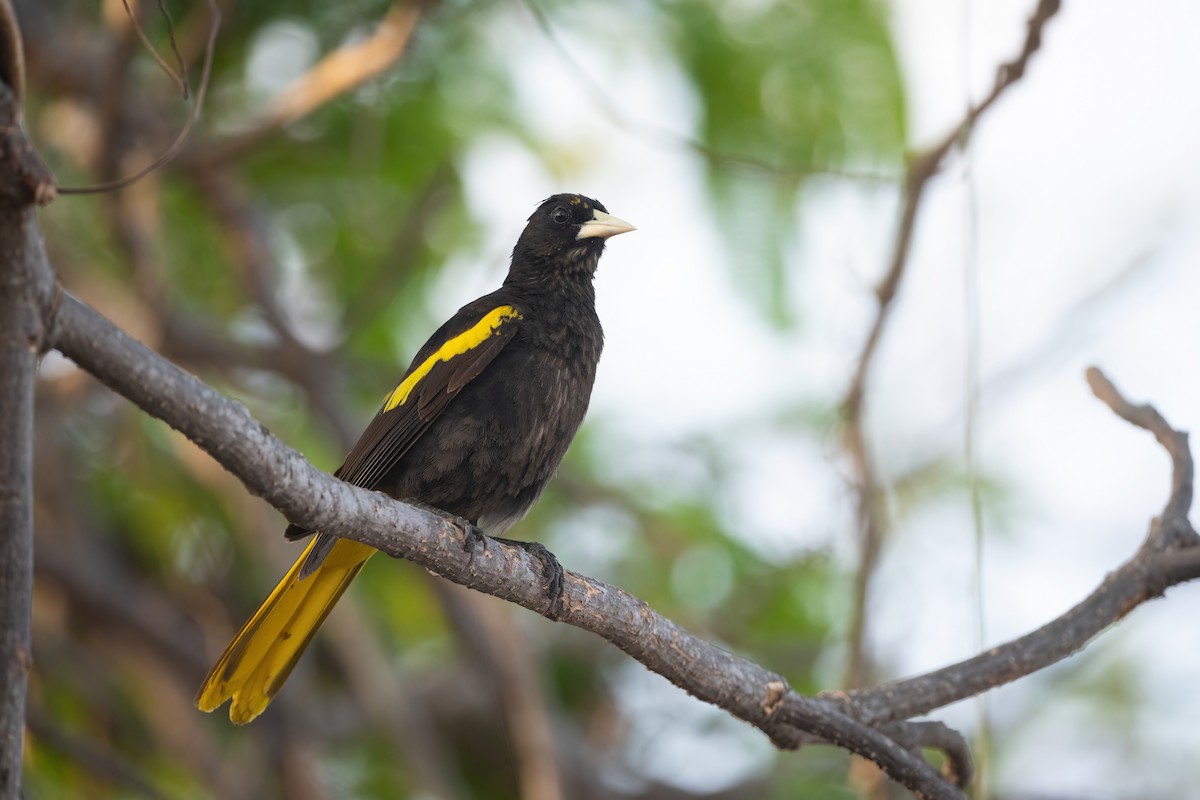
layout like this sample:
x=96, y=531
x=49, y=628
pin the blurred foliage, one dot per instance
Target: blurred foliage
x=355, y=210
x=797, y=88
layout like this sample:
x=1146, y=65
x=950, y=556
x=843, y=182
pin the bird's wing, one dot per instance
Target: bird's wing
x=453, y=356
x=457, y=353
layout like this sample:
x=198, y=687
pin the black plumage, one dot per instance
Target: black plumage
x=476, y=428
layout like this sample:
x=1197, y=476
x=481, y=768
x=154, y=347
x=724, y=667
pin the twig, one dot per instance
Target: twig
x=959, y=768
x=12, y=55
x=900, y=764
x=1170, y=555
x=346, y=68
x=186, y=131
x=180, y=77
x=921, y=170
x=1175, y=442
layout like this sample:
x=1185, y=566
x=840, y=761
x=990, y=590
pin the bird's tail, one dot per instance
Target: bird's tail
x=261, y=656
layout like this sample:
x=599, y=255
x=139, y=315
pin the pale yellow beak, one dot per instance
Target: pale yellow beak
x=602, y=226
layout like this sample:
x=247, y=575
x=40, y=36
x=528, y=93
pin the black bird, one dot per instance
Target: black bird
x=476, y=428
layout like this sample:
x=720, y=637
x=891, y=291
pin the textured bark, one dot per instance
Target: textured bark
x=318, y=501
x=863, y=722
x=18, y=363
x=24, y=298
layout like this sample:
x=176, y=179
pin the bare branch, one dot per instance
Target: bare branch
x=179, y=78
x=1175, y=442
x=858, y=721
x=186, y=131
x=924, y=167
x=921, y=169
x=1170, y=555
x=900, y=764
x=959, y=768
x=315, y=499
x=339, y=72
x=12, y=55
x=24, y=303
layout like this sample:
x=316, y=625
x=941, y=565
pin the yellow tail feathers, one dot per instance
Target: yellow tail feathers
x=261, y=656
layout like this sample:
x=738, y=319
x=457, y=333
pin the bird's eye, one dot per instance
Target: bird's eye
x=560, y=215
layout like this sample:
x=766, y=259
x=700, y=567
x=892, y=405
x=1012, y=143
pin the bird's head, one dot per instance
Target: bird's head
x=566, y=234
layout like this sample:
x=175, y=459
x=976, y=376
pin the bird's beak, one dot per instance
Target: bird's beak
x=602, y=226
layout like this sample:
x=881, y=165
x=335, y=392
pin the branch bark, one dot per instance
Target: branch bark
x=1170, y=554
x=307, y=496
x=315, y=499
x=856, y=721
x=24, y=180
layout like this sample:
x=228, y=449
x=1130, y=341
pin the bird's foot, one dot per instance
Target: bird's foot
x=555, y=576
x=474, y=538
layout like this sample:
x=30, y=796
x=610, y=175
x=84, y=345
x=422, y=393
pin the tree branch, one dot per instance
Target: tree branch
x=316, y=500
x=921, y=169
x=1175, y=442
x=859, y=721
x=1168, y=556
x=346, y=68
x=24, y=180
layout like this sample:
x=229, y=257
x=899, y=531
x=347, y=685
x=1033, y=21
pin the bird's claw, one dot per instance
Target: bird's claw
x=555, y=576
x=474, y=538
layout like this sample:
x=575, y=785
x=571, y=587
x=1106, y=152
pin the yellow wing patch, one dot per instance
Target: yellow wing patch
x=465, y=341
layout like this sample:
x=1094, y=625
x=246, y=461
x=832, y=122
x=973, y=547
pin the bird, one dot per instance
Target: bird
x=475, y=429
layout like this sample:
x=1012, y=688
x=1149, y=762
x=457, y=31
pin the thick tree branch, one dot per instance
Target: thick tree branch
x=312, y=498
x=24, y=302
x=315, y=499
